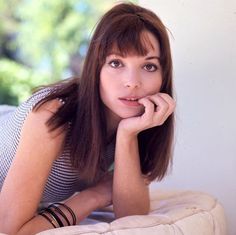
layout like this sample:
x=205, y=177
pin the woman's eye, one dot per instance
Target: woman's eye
x=150, y=67
x=115, y=63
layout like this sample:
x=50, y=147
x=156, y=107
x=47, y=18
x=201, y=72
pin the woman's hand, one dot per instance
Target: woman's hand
x=103, y=191
x=157, y=108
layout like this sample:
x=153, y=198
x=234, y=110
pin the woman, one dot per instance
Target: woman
x=106, y=135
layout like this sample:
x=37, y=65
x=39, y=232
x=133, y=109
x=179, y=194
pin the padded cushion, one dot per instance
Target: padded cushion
x=172, y=213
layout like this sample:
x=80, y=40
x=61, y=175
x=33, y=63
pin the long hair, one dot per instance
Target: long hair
x=122, y=26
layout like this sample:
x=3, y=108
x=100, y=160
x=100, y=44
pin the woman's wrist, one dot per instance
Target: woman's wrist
x=98, y=199
x=83, y=203
x=92, y=197
x=125, y=135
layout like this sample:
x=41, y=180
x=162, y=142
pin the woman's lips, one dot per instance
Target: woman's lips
x=130, y=101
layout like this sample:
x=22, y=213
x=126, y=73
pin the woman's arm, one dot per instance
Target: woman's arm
x=130, y=191
x=27, y=176
x=82, y=205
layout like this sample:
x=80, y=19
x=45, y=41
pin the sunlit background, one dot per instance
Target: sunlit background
x=43, y=41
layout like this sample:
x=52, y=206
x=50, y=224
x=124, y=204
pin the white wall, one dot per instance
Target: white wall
x=204, y=54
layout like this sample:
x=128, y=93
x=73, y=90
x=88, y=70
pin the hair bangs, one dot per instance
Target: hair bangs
x=133, y=43
x=127, y=39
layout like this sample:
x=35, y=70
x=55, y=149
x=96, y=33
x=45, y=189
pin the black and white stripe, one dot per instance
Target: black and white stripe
x=63, y=180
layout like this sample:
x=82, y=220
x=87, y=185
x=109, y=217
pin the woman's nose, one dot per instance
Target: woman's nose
x=132, y=80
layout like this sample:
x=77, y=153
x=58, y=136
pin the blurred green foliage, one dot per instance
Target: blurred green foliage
x=42, y=41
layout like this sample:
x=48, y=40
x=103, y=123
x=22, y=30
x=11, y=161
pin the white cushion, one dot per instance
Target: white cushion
x=172, y=213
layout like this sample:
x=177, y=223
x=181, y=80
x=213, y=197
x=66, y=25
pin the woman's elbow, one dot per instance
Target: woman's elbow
x=7, y=225
x=6, y=228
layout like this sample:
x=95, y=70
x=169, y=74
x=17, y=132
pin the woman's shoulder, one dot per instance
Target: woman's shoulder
x=27, y=114
x=36, y=125
x=38, y=96
x=28, y=106
x=36, y=121
x=50, y=106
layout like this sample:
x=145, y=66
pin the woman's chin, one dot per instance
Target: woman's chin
x=130, y=115
x=117, y=115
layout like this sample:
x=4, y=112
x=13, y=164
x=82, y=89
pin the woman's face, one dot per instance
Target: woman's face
x=124, y=80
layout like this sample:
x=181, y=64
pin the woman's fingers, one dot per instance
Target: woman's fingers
x=171, y=104
x=149, y=108
x=165, y=105
x=158, y=108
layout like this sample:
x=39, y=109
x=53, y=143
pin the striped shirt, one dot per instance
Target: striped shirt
x=64, y=180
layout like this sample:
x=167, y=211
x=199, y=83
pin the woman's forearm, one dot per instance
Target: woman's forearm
x=82, y=205
x=130, y=193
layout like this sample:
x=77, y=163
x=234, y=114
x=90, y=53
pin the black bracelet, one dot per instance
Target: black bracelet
x=70, y=211
x=54, y=215
x=57, y=209
x=48, y=219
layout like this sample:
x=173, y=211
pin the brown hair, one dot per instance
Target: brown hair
x=122, y=27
